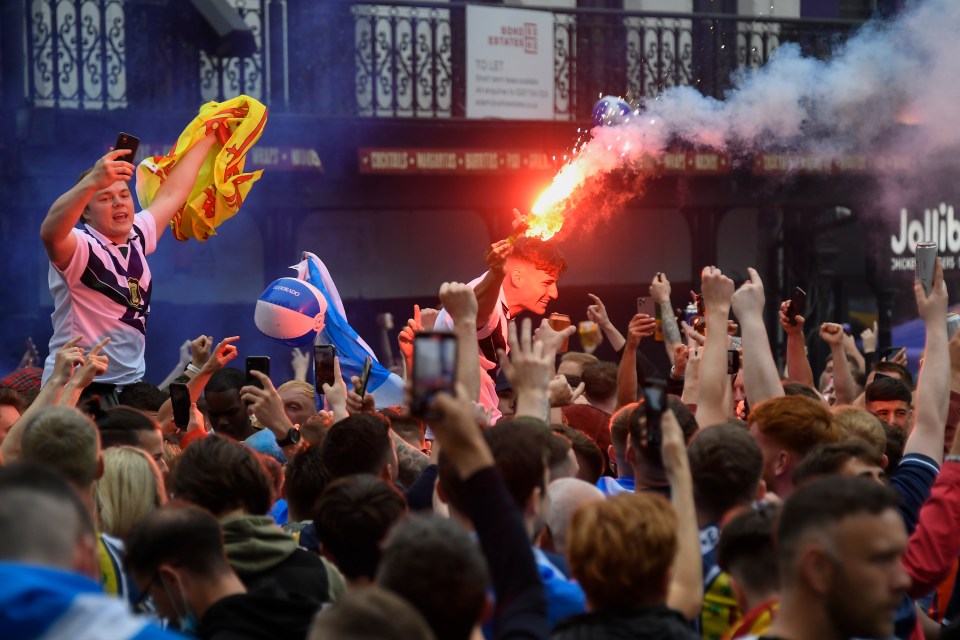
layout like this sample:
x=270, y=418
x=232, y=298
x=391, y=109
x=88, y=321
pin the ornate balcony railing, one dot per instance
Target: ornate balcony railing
x=358, y=59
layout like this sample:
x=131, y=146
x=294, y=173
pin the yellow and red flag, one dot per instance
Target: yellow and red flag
x=221, y=184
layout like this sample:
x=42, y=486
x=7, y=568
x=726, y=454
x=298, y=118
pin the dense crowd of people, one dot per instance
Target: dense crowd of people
x=545, y=494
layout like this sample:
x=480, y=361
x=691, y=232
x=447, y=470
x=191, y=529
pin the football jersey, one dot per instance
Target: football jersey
x=105, y=291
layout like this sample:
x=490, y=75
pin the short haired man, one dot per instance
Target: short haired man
x=890, y=400
x=227, y=413
x=727, y=469
x=850, y=458
x=227, y=479
x=566, y=496
x=840, y=543
x=352, y=518
x=621, y=550
x=298, y=401
x=572, y=363
x=122, y=425
x=176, y=555
x=522, y=277
x=617, y=453
x=99, y=277
x=787, y=428
x=143, y=396
x=360, y=443
x=600, y=385
x=49, y=567
x=748, y=555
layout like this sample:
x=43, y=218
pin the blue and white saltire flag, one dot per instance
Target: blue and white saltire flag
x=351, y=349
x=42, y=603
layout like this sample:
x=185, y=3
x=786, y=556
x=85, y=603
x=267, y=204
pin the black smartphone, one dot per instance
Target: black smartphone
x=797, y=306
x=323, y=355
x=127, y=141
x=364, y=377
x=733, y=361
x=180, y=399
x=889, y=353
x=654, y=403
x=877, y=375
x=257, y=363
x=434, y=369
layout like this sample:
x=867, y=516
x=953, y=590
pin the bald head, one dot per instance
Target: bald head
x=65, y=440
x=566, y=496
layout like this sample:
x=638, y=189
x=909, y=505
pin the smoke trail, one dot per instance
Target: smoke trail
x=886, y=76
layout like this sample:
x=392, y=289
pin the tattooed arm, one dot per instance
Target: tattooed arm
x=660, y=292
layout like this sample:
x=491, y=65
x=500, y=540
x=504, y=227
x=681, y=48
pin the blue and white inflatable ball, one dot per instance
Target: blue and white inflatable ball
x=611, y=111
x=291, y=311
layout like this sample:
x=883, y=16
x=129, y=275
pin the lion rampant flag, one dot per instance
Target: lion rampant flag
x=221, y=184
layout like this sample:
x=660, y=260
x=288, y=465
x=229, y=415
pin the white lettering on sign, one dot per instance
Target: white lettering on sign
x=939, y=225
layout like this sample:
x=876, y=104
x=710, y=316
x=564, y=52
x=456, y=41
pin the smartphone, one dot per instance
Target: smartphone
x=926, y=264
x=127, y=141
x=654, y=403
x=733, y=361
x=365, y=377
x=257, y=363
x=889, y=352
x=645, y=305
x=798, y=302
x=180, y=399
x=323, y=355
x=434, y=369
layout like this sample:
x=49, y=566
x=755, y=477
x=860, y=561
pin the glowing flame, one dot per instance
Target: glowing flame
x=546, y=215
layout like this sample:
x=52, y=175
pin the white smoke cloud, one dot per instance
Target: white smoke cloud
x=892, y=88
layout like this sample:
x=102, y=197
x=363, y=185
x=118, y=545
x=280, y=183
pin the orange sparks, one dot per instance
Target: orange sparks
x=546, y=215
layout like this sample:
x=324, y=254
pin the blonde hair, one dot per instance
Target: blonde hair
x=129, y=489
x=303, y=387
x=855, y=422
x=621, y=550
x=579, y=357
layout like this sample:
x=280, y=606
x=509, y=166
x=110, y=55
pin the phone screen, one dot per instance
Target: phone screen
x=257, y=363
x=127, y=141
x=733, y=361
x=798, y=302
x=180, y=399
x=323, y=355
x=365, y=376
x=434, y=369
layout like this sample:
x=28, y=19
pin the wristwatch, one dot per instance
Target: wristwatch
x=293, y=437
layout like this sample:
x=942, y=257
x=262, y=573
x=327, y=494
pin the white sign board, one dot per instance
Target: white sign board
x=509, y=63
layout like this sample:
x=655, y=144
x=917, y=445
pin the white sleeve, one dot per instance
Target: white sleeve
x=147, y=225
x=78, y=261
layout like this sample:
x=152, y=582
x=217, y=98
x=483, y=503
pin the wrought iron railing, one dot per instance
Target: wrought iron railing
x=394, y=58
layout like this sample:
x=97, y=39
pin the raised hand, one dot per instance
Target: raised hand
x=496, y=256
x=560, y=393
x=356, y=404
x=832, y=334
x=221, y=355
x=405, y=338
x=660, y=289
x=529, y=366
x=68, y=357
x=300, y=362
x=336, y=394
x=114, y=165
x=266, y=405
x=749, y=298
x=641, y=326
x=93, y=365
x=869, y=338
x=796, y=328
x=597, y=312
x=459, y=300
x=933, y=307
x=550, y=339
x=717, y=291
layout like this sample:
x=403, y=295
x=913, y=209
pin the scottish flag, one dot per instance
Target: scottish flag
x=351, y=349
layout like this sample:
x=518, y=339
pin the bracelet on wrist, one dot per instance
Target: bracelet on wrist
x=192, y=368
x=952, y=458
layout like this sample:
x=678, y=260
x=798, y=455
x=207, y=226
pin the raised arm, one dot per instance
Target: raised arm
x=641, y=326
x=69, y=356
x=933, y=386
x=56, y=229
x=760, y=378
x=717, y=291
x=798, y=365
x=529, y=368
x=832, y=334
x=685, y=593
x=460, y=301
x=488, y=289
x=597, y=312
x=222, y=354
x=93, y=365
x=175, y=190
x=660, y=292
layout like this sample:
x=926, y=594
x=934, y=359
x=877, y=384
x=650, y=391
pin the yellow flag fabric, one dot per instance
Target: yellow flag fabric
x=221, y=184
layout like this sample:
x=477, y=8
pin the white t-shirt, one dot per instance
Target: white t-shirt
x=103, y=293
x=490, y=336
